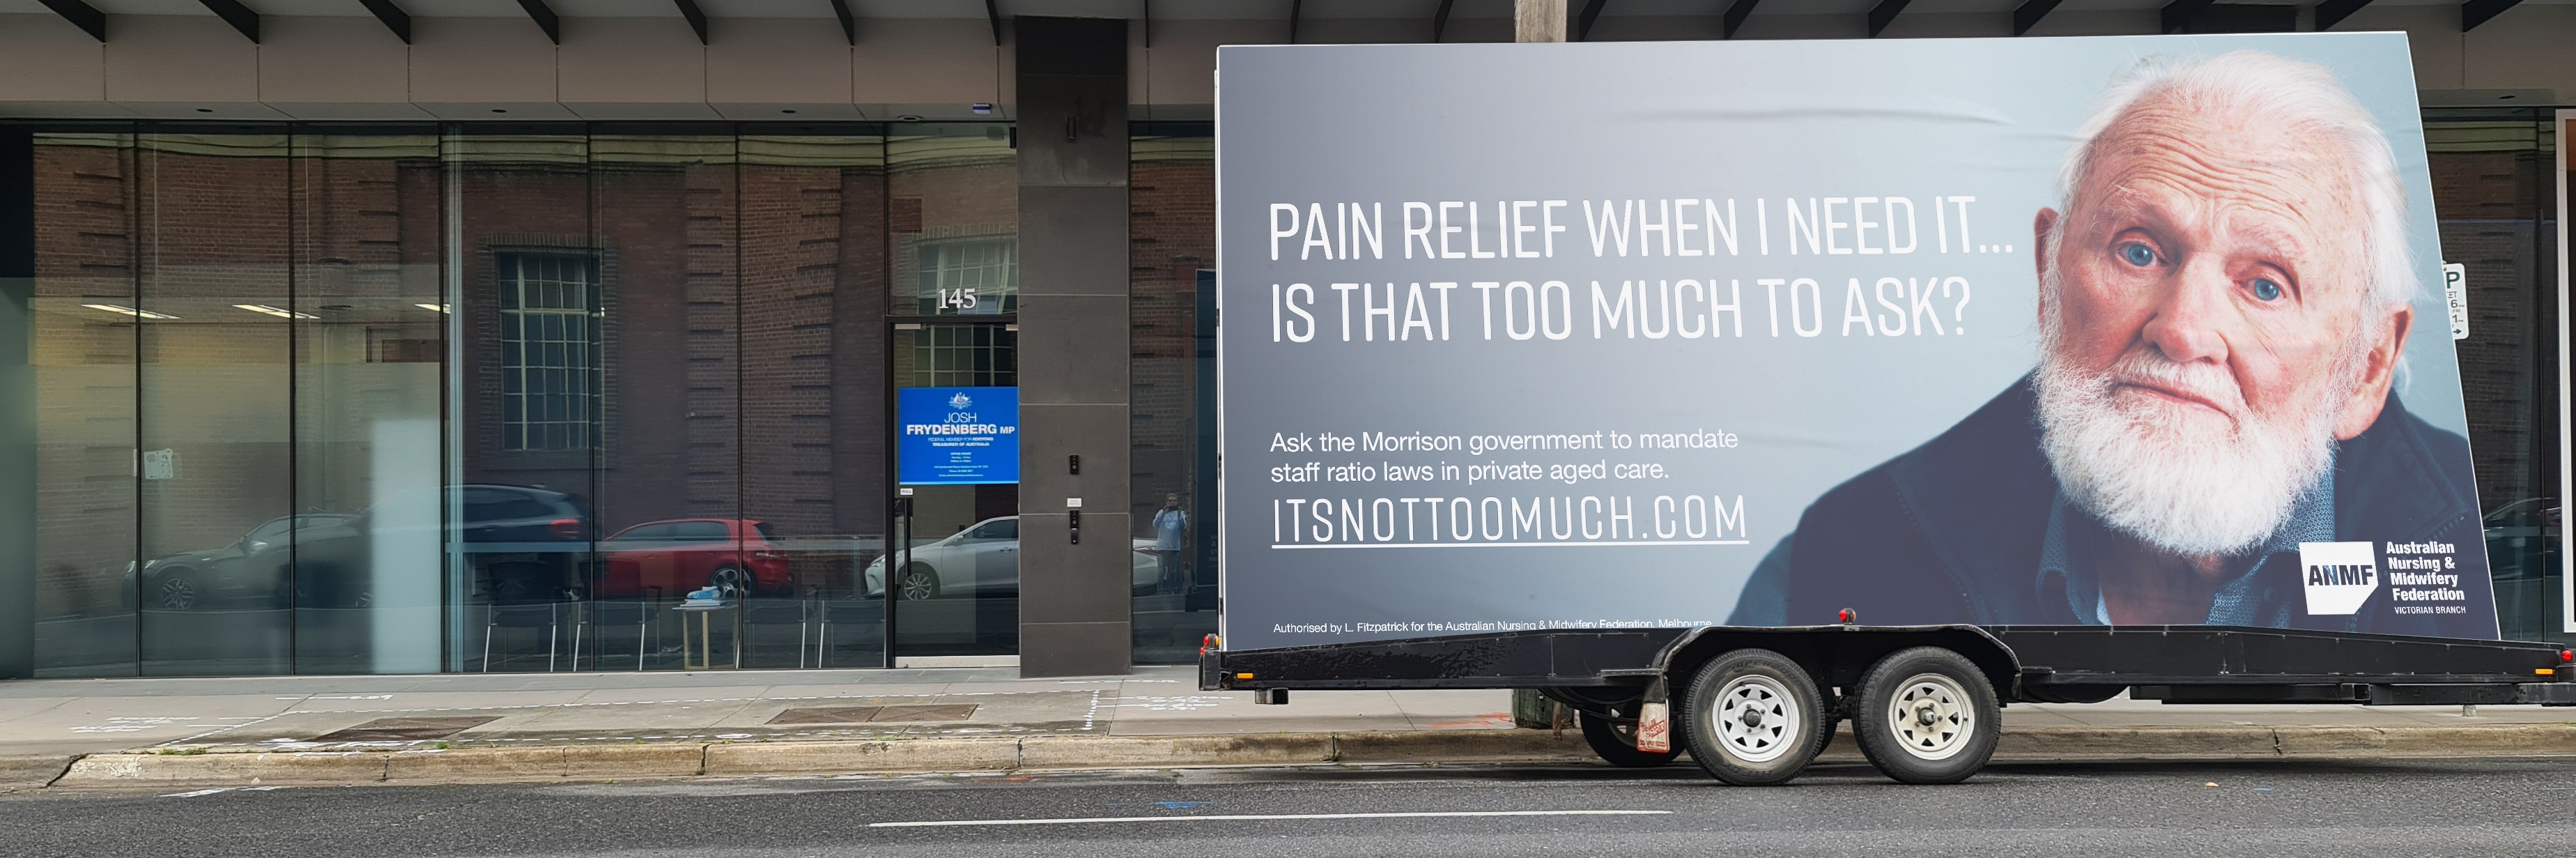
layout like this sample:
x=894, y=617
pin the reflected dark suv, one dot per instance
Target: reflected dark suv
x=521, y=543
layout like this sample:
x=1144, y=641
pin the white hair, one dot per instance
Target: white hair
x=2288, y=94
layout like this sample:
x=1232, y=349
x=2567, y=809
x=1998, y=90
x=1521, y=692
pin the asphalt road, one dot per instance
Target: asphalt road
x=2269, y=809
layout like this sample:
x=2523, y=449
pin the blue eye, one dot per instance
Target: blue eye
x=2266, y=290
x=2137, y=254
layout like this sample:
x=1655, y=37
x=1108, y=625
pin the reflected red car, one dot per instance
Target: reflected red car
x=737, y=556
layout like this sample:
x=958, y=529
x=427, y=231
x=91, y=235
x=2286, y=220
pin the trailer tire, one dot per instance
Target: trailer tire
x=1755, y=718
x=1617, y=743
x=1926, y=716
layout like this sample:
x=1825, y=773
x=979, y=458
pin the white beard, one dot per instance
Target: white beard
x=2176, y=476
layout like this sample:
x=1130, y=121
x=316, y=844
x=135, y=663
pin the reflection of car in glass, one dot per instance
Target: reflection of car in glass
x=521, y=543
x=250, y=571
x=2522, y=538
x=734, y=555
x=984, y=560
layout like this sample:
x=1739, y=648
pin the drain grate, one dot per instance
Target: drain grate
x=875, y=714
x=404, y=729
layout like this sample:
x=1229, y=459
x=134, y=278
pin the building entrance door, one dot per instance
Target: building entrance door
x=951, y=576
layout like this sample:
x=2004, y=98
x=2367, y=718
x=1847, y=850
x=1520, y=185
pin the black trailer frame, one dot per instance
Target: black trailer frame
x=1596, y=670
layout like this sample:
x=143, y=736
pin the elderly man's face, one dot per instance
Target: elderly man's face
x=2231, y=249
x=2210, y=330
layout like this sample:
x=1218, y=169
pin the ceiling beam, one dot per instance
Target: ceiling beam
x=2332, y=12
x=1440, y=19
x=993, y=13
x=238, y=15
x=1145, y=17
x=394, y=17
x=1296, y=10
x=2477, y=12
x=2177, y=15
x=1884, y=13
x=2028, y=15
x=546, y=19
x=91, y=21
x=850, y=25
x=697, y=17
x=1736, y=14
x=1583, y=22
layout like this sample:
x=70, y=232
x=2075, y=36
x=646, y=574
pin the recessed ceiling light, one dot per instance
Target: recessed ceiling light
x=499, y=110
x=434, y=308
x=787, y=111
x=129, y=311
x=909, y=117
x=2507, y=96
x=205, y=110
x=266, y=310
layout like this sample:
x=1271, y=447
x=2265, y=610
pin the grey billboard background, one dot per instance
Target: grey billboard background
x=1989, y=118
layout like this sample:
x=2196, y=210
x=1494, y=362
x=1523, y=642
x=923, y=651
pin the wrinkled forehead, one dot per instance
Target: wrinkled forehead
x=2233, y=157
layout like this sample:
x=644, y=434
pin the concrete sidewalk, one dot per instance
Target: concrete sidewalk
x=189, y=730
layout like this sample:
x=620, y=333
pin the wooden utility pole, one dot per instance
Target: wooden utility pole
x=1538, y=20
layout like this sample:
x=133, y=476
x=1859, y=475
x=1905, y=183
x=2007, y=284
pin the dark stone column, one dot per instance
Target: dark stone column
x=17, y=405
x=1073, y=345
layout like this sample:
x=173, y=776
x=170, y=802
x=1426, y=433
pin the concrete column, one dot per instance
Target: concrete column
x=17, y=405
x=1538, y=20
x=1072, y=86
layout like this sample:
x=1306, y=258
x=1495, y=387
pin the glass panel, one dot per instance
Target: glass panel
x=1172, y=316
x=812, y=398
x=525, y=282
x=215, y=398
x=953, y=218
x=368, y=336
x=82, y=355
x=2492, y=191
x=958, y=593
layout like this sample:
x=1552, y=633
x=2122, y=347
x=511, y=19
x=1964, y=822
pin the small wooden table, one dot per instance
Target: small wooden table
x=701, y=655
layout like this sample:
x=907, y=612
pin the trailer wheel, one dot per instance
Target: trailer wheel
x=1754, y=718
x=1927, y=716
x=1616, y=742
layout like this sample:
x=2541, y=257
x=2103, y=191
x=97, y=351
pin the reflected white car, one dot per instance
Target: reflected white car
x=985, y=560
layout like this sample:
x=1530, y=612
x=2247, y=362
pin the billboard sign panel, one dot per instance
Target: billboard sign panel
x=2135, y=330
x=958, y=435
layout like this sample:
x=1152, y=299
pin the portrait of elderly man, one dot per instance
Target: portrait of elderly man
x=2224, y=298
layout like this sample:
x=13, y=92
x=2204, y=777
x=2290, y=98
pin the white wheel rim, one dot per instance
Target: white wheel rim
x=1757, y=719
x=1931, y=717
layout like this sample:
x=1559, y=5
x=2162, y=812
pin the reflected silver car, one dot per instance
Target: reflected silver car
x=985, y=560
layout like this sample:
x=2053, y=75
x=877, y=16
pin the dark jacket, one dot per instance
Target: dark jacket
x=1950, y=531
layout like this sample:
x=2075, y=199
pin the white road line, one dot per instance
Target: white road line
x=1262, y=816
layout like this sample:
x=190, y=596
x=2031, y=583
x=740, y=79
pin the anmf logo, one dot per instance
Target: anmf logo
x=959, y=401
x=2339, y=576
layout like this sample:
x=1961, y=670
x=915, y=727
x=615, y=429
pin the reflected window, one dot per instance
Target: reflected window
x=546, y=355
x=970, y=276
x=700, y=531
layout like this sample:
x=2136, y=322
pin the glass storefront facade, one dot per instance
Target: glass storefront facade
x=485, y=397
x=319, y=398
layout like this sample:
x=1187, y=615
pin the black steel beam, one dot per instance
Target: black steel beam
x=394, y=17
x=1736, y=14
x=2028, y=15
x=2332, y=12
x=850, y=25
x=238, y=15
x=2477, y=12
x=93, y=22
x=1884, y=13
x=1583, y=22
x=546, y=19
x=697, y=17
x=2178, y=13
x=993, y=13
x=1296, y=10
x=1440, y=19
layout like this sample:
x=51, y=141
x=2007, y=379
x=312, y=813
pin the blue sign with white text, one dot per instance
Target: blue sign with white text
x=958, y=435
